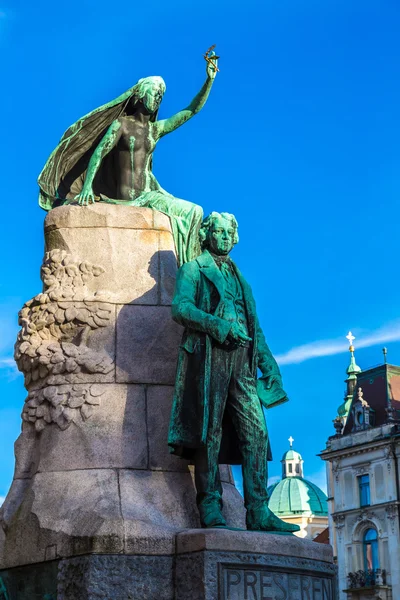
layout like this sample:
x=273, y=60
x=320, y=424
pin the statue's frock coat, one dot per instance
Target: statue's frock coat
x=197, y=304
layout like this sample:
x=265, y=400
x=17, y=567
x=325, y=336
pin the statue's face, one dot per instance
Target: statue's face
x=152, y=92
x=221, y=236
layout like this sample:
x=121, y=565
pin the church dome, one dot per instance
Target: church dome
x=297, y=496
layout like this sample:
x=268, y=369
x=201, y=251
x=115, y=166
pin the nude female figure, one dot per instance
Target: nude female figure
x=108, y=158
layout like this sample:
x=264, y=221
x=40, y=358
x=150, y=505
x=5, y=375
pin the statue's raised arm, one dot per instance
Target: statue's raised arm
x=167, y=125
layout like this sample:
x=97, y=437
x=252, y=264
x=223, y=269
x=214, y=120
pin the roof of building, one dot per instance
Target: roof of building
x=297, y=496
x=323, y=537
x=381, y=388
x=292, y=455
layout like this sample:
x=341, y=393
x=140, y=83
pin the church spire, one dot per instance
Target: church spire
x=352, y=371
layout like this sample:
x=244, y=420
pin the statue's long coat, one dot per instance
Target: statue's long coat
x=197, y=304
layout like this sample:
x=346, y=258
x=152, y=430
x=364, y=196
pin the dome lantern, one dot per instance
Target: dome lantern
x=292, y=462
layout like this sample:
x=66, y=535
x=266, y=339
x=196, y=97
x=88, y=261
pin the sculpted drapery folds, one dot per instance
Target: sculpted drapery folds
x=217, y=412
x=106, y=156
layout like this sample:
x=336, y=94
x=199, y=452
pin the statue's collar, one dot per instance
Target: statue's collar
x=220, y=260
x=207, y=259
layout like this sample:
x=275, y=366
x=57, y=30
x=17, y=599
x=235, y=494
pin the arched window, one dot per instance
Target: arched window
x=371, y=558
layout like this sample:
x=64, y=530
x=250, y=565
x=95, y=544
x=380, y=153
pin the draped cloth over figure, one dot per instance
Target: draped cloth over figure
x=63, y=175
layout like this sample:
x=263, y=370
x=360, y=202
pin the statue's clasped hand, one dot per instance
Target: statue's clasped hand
x=237, y=335
x=86, y=197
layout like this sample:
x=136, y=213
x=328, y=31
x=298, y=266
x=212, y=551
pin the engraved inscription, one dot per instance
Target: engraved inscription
x=262, y=584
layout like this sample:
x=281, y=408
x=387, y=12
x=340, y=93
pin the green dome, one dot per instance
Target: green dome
x=297, y=496
x=292, y=455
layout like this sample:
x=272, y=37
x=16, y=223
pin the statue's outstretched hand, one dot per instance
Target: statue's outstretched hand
x=85, y=197
x=238, y=336
x=212, y=62
x=212, y=69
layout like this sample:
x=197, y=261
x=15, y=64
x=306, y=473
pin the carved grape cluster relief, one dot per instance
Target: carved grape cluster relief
x=51, y=348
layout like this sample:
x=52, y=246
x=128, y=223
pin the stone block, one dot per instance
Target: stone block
x=225, y=472
x=159, y=403
x=233, y=507
x=105, y=216
x=129, y=258
x=13, y=501
x=116, y=578
x=114, y=436
x=235, y=565
x=25, y=450
x=161, y=221
x=66, y=514
x=168, y=267
x=258, y=542
x=147, y=345
x=154, y=504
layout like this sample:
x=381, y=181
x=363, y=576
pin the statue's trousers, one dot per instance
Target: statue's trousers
x=233, y=388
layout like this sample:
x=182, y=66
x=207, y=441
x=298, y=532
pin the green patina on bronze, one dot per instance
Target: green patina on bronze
x=106, y=156
x=217, y=414
x=3, y=590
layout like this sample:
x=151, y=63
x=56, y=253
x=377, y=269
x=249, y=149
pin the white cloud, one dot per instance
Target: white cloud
x=387, y=333
x=273, y=479
x=8, y=364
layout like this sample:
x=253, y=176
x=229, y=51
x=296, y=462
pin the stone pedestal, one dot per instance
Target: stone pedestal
x=98, y=508
x=237, y=565
x=98, y=349
x=206, y=565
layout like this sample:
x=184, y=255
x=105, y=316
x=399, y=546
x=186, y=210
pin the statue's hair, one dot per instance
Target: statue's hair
x=143, y=83
x=208, y=221
x=139, y=91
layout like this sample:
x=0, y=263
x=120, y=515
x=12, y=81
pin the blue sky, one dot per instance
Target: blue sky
x=299, y=139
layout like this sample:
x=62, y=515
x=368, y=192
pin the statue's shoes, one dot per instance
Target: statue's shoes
x=211, y=516
x=263, y=519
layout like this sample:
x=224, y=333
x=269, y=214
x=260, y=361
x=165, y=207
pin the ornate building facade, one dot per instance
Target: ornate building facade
x=363, y=474
x=297, y=500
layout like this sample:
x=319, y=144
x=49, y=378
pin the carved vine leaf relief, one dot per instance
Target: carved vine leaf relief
x=61, y=404
x=51, y=348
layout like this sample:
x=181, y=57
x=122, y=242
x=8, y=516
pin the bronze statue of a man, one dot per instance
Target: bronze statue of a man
x=217, y=415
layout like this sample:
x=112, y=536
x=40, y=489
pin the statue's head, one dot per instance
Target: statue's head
x=150, y=91
x=219, y=233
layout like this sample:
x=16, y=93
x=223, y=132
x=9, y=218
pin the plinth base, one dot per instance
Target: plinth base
x=211, y=564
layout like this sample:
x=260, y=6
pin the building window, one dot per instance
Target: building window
x=290, y=468
x=297, y=468
x=363, y=484
x=371, y=558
